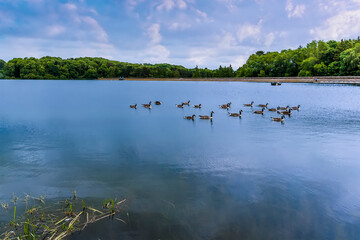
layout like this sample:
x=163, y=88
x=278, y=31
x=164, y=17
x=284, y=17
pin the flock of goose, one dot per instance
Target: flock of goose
x=283, y=111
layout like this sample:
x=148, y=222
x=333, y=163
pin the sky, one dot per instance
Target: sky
x=204, y=33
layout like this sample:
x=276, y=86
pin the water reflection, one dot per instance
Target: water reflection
x=231, y=177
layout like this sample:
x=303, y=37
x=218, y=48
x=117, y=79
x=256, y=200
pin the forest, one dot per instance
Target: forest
x=318, y=58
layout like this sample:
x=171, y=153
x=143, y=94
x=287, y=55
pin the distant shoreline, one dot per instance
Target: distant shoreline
x=354, y=80
x=327, y=79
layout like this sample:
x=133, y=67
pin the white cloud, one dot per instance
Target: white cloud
x=80, y=26
x=154, y=33
x=269, y=39
x=335, y=6
x=179, y=26
x=181, y=4
x=95, y=28
x=225, y=50
x=294, y=10
x=132, y=4
x=37, y=47
x=155, y=52
x=345, y=24
x=70, y=6
x=249, y=31
x=227, y=41
x=230, y=4
x=239, y=61
x=55, y=30
x=171, y=4
x=203, y=17
x=167, y=5
x=202, y=56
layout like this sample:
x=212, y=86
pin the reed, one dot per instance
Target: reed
x=56, y=221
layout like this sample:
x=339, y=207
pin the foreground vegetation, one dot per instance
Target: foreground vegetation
x=53, y=221
x=318, y=58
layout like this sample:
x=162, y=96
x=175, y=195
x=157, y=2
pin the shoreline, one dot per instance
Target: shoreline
x=352, y=80
x=326, y=80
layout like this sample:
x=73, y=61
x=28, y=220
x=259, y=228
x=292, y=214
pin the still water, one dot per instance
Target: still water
x=231, y=178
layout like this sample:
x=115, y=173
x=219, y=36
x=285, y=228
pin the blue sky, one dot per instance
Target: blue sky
x=207, y=33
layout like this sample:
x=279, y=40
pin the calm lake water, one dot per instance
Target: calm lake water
x=247, y=178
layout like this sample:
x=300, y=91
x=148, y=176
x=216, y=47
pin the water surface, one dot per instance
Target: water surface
x=247, y=178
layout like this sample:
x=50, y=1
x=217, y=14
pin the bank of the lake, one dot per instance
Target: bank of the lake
x=322, y=79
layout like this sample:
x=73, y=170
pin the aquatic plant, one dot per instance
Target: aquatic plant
x=56, y=221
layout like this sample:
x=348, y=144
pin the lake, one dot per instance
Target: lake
x=248, y=178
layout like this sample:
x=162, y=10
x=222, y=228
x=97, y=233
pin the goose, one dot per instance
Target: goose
x=296, y=108
x=278, y=119
x=263, y=105
x=272, y=109
x=286, y=112
x=180, y=105
x=249, y=104
x=134, y=106
x=186, y=103
x=225, y=106
x=190, y=117
x=260, y=112
x=147, y=105
x=158, y=103
x=207, y=117
x=282, y=108
x=197, y=106
x=236, y=114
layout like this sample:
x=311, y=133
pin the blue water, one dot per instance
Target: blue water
x=231, y=178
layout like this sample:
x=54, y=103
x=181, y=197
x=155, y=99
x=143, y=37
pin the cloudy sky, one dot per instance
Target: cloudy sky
x=207, y=33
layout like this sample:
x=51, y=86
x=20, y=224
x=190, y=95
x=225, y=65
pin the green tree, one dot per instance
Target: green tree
x=196, y=73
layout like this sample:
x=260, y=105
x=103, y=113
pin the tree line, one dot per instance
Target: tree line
x=318, y=58
x=93, y=68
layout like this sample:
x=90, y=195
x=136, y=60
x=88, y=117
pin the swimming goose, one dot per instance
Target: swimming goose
x=260, y=112
x=134, y=106
x=278, y=119
x=282, y=108
x=207, y=117
x=272, y=109
x=296, y=108
x=147, y=105
x=186, y=103
x=197, y=106
x=249, y=105
x=236, y=114
x=190, y=117
x=263, y=105
x=158, y=103
x=286, y=112
x=180, y=105
x=225, y=106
